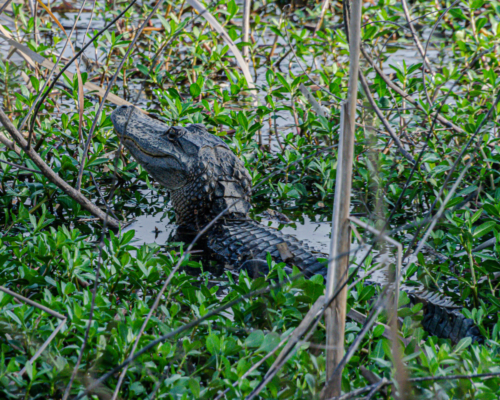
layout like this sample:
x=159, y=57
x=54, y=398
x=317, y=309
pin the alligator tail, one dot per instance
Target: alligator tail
x=449, y=324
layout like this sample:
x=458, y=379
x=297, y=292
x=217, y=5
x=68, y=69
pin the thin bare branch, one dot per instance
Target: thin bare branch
x=379, y=385
x=335, y=314
x=20, y=167
x=9, y=144
x=110, y=85
x=51, y=175
x=415, y=36
x=324, y=7
x=247, y=5
x=4, y=6
x=45, y=309
x=384, y=121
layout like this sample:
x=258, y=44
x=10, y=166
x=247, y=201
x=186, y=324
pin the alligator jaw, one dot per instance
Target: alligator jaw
x=145, y=133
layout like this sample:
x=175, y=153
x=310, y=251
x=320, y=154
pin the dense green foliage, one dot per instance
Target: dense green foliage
x=55, y=263
x=49, y=249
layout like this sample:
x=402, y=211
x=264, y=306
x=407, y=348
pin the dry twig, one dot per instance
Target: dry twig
x=45, y=309
x=51, y=175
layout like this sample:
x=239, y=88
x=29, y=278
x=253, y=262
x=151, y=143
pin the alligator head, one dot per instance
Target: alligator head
x=201, y=173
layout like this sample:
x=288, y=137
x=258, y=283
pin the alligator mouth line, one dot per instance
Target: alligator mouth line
x=138, y=147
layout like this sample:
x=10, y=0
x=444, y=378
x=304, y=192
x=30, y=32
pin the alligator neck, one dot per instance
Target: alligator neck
x=208, y=195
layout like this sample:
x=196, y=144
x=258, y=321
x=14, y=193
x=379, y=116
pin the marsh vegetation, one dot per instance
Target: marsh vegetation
x=426, y=169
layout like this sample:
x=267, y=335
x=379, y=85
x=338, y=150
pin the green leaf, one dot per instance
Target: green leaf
x=48, y=279
x=164, y=22
x=14, y=317
x=194, y=385
x=467, y=190
x=378, y=331
x=213, y=344
x=492, y=210
x=35, y=82
x=476, y=215
x=494, y=301
x=137, y=388
x=97, y=161
x=270, y=77
x=311, y=382
x=243, y=121
x=366, y=293
x=454, y=202
x=127, y=237
x=29, y=370
x=270, y=342
x=70, y=288
x=232, y=8
x=284, y=82
x=143, y=268
x=255, y=339
x=463, y=344
x=483, y=229
x=480, y=23
x=143, y=69
x=194, y=89
x=235, y=89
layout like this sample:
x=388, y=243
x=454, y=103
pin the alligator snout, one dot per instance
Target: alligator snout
x=121, y=117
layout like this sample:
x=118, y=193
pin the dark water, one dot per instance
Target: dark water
x=155, y=228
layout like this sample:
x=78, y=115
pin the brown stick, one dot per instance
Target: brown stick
x=247, y=5
x=324, y=7
x=335, y=314
x=52, y=176
x=9, y=144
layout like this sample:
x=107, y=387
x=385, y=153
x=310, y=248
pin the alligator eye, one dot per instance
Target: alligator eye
x=171, y=134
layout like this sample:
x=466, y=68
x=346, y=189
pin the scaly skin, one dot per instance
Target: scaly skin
x=235, y=242
x=204, y=177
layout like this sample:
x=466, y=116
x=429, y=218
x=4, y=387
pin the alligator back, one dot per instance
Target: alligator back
x=241, y=240
x=235, y=242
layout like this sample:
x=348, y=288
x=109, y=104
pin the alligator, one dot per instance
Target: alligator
x=205, y=178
